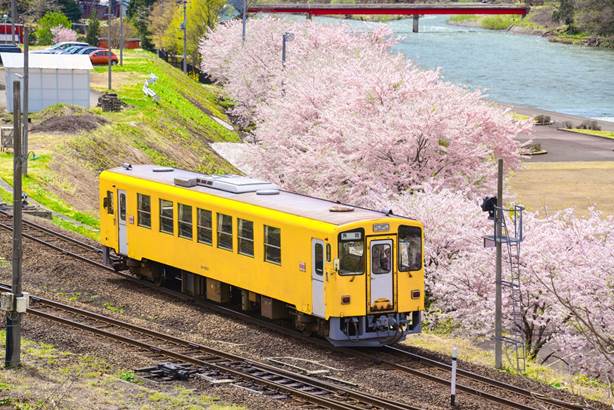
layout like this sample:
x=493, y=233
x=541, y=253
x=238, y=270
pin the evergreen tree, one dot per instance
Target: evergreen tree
x=71, y=9
x=565, y=13
x=93, y=27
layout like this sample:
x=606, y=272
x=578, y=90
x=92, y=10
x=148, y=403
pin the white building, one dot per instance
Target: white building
x=54, y=79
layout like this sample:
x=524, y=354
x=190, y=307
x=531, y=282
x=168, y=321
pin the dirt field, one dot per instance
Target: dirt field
x=546, y=187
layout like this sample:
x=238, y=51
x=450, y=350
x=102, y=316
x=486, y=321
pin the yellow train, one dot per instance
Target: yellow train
x=352, y=275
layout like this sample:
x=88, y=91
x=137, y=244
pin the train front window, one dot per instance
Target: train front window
x=166, y=216
x=224, y=231
x=410, y=248
x=351, y=253
x=381, y=258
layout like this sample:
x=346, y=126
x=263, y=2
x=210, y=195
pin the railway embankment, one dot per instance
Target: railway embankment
x=70, y=146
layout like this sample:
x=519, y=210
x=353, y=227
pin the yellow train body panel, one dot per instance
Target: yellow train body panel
x=292, y=280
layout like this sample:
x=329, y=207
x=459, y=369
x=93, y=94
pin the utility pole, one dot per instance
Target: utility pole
x=26, y=82
x=121, y=32
x=109, y=40
x=498, y=276
x=244, y=21
x=13, y=18
x=13, y=317
x=185, y=36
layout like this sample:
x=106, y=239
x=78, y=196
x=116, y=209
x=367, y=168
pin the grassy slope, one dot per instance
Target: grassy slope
x=538, y=21
x=175, y=132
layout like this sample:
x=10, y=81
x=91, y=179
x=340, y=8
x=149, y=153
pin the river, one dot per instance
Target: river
x=510, y=68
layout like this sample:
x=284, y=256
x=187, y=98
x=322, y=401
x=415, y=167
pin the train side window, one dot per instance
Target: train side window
x=224, y=231
x=144, y=210
x=166, y=216
x=410, y=248
x=107, y=202
x=272, y=244
x=185, y=221
x=246, y=237
x=205, y=226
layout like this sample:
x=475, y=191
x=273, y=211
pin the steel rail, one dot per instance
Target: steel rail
x=54, y=233
x=487, y=380
x=57, y=248
x=290, y=332
x=342, y=398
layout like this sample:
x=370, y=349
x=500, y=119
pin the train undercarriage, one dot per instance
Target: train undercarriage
x=373, y=330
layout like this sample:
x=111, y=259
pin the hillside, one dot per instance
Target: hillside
x=69, y=146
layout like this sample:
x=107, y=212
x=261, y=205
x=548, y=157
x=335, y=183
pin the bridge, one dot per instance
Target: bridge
x=404, y=9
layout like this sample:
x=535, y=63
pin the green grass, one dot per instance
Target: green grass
x=498, y=22
x=462, y=18
x=174, y=132
x=520, y=117
x=441, y=341
x=600, y=133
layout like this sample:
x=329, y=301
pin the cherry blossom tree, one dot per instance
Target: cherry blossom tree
x=343, y=100
x=61, y=34
x=345, y=119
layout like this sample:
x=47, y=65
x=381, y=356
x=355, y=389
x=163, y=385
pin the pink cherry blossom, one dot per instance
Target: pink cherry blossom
x=61, y=34
x=346, y=119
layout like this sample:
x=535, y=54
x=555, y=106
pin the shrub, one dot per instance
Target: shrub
x=589, y=125
x=542, y=119
x=51, y=19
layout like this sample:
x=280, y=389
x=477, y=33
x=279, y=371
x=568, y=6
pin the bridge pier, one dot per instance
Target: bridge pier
x=308, y=16
x=416, y=18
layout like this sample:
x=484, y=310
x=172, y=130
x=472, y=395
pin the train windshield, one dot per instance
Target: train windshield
x=351, y=252
x=410, y=248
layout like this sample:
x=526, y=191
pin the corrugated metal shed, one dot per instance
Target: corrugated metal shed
x=54, y=78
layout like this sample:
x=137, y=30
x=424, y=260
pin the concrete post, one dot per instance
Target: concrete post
x=415, y=25
x=499, y=268
x=13, y=318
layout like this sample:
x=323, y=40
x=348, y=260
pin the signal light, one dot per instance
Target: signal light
x=488, y=205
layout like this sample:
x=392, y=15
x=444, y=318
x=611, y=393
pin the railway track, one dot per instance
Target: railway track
x=473, y=383
x=244, y=372
x=57, y=241
x=400, y=358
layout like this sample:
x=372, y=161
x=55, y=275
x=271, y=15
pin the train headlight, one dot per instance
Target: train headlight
x=345, y=300
x=415, y=294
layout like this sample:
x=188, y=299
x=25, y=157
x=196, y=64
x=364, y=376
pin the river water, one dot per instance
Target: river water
x=510, y=68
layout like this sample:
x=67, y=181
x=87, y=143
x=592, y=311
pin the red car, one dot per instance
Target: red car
x=102, y=57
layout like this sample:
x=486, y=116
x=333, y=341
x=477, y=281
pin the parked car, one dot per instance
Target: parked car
x=88, y=50
x=8, y=48
x=71, y=50
x=102, y=57
x=59, y=47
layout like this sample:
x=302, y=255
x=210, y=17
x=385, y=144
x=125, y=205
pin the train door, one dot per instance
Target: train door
x=123, y=233
x=381, y=279
x=317, y=277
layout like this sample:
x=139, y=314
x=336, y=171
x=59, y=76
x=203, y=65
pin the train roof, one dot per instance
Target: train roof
x=254, y=192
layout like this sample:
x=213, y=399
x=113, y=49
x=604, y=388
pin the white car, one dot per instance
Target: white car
x=59, y=47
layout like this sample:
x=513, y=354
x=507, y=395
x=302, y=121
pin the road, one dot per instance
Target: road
x=563, y=146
